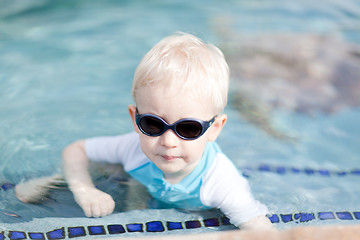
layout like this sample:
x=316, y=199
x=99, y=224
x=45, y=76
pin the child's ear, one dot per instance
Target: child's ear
x=132, y=111
x=216, y=127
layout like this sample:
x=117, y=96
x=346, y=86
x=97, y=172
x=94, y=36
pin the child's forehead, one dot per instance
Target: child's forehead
x=177, y=97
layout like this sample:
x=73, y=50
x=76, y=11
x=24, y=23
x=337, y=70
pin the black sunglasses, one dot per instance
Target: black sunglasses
x=186, y=128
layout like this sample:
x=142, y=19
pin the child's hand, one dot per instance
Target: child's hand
x=94, y=202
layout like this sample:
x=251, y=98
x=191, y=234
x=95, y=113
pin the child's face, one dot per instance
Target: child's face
x=174, y=156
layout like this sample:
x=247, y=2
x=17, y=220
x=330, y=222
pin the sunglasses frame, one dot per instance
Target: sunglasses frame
x=204, y=124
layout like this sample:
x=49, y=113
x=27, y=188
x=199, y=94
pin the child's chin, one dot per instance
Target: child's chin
x=171, y=170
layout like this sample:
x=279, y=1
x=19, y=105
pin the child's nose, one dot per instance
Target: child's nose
x=169, y=139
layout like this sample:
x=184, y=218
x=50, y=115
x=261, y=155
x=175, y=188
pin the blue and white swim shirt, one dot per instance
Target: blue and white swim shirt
x=214, y=183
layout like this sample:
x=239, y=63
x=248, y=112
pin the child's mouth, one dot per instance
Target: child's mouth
x=169, y=158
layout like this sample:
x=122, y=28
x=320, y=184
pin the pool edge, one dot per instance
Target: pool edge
x=337, y=232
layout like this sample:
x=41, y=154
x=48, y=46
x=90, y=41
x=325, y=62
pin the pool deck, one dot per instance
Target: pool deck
x=349, y=232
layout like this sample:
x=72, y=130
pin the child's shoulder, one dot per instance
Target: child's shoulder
x=223, y=170
x=223, y=164
x=221, y=161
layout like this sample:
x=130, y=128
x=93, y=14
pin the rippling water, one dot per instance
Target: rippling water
x=66, y=69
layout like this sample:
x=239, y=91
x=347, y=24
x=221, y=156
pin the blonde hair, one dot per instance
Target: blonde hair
x=184, y=60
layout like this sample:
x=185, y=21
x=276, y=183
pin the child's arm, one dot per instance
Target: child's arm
x=224, y=188
x=94, y=202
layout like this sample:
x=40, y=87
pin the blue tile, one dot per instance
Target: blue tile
x=246, y=172
x=115, y=229
x=174, y=225
x=264, y=168
x=304, y=217
x=281, y=170
x=6, y=186
x=341, y=173
x=286, y=217
x=2, y=236
x=344, y=215
x=274, y=218
x=309, y=171
x=326, y=215
x=134, y=227
x=295, y=170
x=245, y=175
x=56, y=234
x=192, y=224
x=76, y=232
x=96, y=230
x=225, y=221
x=155, y=226
x=324, y=172
x=36, y=235
x=355, y=172
x=17, y=235
x=357, y=215
x=212, y=222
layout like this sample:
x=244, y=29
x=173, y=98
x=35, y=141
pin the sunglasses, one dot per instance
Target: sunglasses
x=186, y=128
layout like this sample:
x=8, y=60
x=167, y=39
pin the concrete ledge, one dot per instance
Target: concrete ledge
x=349, y=232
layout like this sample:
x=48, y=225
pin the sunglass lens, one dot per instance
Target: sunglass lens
x=151, y=125
x=189, y=129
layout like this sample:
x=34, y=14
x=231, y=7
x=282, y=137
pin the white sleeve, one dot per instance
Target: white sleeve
x=224, y=188
x=123, y=149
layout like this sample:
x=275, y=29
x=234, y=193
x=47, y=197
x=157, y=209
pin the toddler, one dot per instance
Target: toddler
x=180, y=91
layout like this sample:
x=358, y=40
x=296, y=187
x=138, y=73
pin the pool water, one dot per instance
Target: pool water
x=65, y=74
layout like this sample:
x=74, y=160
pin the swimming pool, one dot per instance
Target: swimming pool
x=65, y=73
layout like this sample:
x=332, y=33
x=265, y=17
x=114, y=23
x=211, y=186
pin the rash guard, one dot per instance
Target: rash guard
x=214, y=183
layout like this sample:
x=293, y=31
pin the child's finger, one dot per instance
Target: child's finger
x=110, y=206
x=87, y=209
x=104, y=209
x=96, y=209
x=107, y=205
